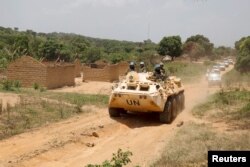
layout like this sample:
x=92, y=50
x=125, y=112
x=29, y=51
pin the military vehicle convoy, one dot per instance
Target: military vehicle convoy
x=142, y=92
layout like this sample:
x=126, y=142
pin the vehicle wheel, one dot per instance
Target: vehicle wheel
x=182, y=101
x=174, y=108
x=114, y=112
x=178, y=103
x=166, y=115
x=122, y=111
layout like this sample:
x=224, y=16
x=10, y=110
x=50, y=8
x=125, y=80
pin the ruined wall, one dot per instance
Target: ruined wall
x=78, y=68
x=60, y=75
x=28, y=71
x=122, y=67
x=108, y=73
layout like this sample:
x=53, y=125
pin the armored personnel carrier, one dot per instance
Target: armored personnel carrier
x=142, y=92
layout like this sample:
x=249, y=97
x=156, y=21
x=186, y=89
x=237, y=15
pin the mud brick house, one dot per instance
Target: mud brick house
x=107, y=73
x=28, y=71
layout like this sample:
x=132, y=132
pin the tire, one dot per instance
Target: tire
x=114, y=112
x=179, y=104
x=122, y=111
x=182, y=101
x=174, y=108
x=166, y=115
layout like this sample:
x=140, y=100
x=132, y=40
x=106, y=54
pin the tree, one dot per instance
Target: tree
x=203, y=42
x=243, y=58
x=91, y=55
x=171, y=46
x=49, y=49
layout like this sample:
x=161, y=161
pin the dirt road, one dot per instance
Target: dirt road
x=93, y=137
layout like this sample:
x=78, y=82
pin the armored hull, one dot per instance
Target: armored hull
x=141, y=92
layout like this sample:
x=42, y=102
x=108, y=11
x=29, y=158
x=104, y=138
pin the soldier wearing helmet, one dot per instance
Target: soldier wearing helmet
x=159, y=71
x=142, y=68
x=131, y=67
x=162, y=69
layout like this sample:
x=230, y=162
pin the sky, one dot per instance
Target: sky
x=222, y=21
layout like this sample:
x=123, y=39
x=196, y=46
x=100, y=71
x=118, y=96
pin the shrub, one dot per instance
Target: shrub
x=42, y=89
x=7, y=85
x=17, y=84
x=36, y=86
x=118, y=160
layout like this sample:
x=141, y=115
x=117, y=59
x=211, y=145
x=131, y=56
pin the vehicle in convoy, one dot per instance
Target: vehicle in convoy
x=214, y=78
x=230, y=61
x=222, y=67
x=142, y=92
x=226, y=63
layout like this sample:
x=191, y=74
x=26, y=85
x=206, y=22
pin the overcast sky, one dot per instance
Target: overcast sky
x=222, y=21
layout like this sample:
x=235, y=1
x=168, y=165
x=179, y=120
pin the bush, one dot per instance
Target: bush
x=7, y=85
x=17, y=84
x=42, y=89
x=36, y=86
x=118, y=160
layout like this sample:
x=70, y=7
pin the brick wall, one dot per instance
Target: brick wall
x=123, y=67
x=78, y=68
x=60, y=75
x=28, y=71
x=109, y=73
x=50, y=75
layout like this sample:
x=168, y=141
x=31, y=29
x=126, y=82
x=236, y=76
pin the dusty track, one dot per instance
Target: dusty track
x=69, y=143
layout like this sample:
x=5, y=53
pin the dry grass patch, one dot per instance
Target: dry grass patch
x=33, y=112
x=190, y=146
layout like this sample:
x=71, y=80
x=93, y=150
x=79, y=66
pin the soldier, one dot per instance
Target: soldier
x=162, y=69
x=157, y=72
x=131, y=67
x=142, y=67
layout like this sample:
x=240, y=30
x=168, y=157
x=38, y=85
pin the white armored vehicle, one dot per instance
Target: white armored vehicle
x=142, y=92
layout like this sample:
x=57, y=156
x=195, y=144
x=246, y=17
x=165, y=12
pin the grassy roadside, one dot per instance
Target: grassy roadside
x=187, y=71
x=236, y=79
x=39, y=108
x=229, y=107
x=190, y=145
x=232, y=107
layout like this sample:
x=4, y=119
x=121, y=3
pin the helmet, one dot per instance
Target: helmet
x=141, y=63
x=157, y=68
x=161, y=64
x=132, y=65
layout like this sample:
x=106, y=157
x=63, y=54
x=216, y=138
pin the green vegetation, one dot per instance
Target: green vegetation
x=118, y=160
x=170, y=46
x=32, y=112
x=229, y=106
x=234, y=78
x=190, y=145
x=67, y=47
x=243, y=59
x=79, y=99
x=37, y=108
x=186, y=71
x=7, y=85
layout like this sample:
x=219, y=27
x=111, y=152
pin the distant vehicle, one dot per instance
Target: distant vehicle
x=230, y=61
x=214, y=78
x=222, y=67
x=226, y=63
